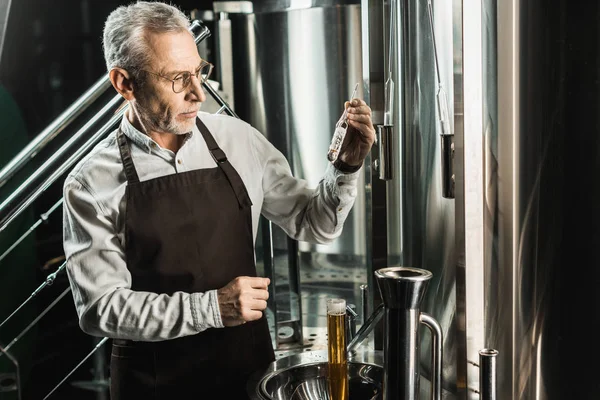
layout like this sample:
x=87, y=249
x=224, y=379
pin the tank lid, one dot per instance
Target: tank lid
x=266, y=6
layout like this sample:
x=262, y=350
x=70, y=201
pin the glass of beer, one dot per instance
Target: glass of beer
x=336, y=344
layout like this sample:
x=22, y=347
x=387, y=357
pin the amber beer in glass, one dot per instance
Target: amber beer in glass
x=336, y=342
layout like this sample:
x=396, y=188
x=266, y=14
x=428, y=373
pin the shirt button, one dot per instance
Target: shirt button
x=153, y=144
x=179, y=161
x=340, y=209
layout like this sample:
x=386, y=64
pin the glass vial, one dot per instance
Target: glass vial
x=336, y=345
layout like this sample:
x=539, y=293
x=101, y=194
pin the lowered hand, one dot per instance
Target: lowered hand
x=243, y=299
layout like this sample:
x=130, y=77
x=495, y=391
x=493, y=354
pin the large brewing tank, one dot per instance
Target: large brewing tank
x=293, y=66
x=541, y=155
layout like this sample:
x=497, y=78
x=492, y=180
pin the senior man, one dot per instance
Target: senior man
x=160, y=219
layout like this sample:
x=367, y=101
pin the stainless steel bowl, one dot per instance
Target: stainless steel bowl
x=304, y=376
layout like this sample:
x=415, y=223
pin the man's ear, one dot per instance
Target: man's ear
x=122, y=82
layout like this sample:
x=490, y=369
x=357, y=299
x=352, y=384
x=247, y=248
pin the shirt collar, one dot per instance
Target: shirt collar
x=141, y=139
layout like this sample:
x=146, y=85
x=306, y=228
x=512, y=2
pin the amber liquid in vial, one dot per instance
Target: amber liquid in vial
x=336, y=337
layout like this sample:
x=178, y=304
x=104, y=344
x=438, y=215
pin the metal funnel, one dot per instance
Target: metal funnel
x=402, y=287
x=402, y=290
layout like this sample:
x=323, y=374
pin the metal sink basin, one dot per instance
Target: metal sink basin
x=304, y=376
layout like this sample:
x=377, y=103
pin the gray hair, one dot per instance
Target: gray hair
x=124, y=41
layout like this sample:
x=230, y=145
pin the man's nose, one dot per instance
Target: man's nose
x=196, y=91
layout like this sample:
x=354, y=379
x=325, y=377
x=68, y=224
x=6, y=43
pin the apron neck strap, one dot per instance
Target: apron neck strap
x=125, y=150
x=221, y=159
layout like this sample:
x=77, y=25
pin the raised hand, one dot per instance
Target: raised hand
x=360, y=135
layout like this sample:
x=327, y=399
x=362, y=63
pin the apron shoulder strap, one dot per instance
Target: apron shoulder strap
x=221, y=159
x=125, y=150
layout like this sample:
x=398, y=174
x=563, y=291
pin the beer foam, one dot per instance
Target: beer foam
x=336, y=306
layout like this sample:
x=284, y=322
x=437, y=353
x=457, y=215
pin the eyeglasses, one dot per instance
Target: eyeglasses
x=183, y=80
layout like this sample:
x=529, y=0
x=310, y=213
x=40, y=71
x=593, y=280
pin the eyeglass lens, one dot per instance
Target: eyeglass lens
x=185, y=79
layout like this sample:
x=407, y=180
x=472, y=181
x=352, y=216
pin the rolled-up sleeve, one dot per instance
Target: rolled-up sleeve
x=315, y=215
x=101, y=282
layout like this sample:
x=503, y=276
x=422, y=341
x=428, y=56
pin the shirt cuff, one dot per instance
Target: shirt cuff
x=343, y=190
x=205, y=310
x=346, y=168
x=331, y=169
x=341, y=183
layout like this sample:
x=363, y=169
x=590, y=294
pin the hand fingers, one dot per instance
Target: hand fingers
x=246, y=316
x=259, y=283
x=257, y=305
x=355, y=103
x=363, y=118
x=252, y=309
x=252, y=315
x=260, y=294
x=364, y=130
x=360, y=110
x=253, y=282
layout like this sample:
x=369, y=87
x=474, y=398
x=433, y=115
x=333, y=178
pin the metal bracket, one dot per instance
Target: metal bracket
x=448, y=177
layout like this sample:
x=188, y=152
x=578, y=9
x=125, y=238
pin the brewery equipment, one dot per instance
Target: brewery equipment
x=402, y=290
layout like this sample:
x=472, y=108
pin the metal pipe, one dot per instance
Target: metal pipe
x=364, y=299
x=35, y=321
x=100, y=344
x=48, y=282
x=219, y=100
x=199, y=30
x=56, y=127
x=367, y=327
x=436, y=355
x=36, y=184
x=269, y=270
x=351, y=316
x=32, y=188
x=487, y=374
x=43, y=218
x=295, y=321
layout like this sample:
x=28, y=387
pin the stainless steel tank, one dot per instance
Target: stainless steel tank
x=294, y=64
x=532, y=288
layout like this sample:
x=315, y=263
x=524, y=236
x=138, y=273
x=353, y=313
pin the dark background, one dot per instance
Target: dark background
x=52, y=54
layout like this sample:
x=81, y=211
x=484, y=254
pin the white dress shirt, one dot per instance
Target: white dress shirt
x=94, y=205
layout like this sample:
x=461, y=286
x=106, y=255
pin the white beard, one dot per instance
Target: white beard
x=149, y=124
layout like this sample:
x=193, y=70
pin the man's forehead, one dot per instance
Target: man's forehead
x=173, y=52
x=178, y=67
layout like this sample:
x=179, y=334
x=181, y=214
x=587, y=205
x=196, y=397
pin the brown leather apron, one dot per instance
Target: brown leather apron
x=189, y=232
